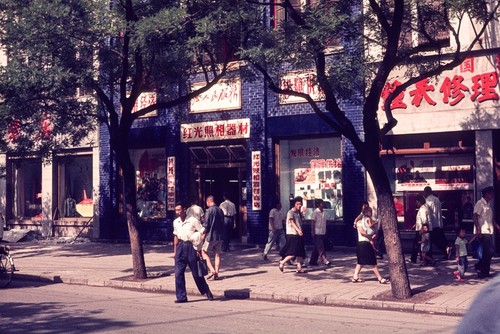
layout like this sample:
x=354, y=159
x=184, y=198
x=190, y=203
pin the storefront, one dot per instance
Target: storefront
x=445, y=139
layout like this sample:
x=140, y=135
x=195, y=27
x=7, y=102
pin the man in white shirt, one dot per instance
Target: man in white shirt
x=229, y=210
x=276, y=231
x=186, y=255
x=318, y=232
x=436, y=226
x=484, y=229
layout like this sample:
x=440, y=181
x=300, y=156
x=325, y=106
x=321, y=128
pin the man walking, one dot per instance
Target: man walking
x=436, y=227
x=318, y=232
x=214, y=225
x=276, y=232
x=484, y=225
x=229, y=210
x=186, y=255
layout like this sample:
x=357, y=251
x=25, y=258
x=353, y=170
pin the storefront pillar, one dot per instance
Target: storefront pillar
x=46, y=196
x=95, y=192
x=484, y=160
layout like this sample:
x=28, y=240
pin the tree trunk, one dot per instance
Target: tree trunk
x=387, y=215
x=130, y=205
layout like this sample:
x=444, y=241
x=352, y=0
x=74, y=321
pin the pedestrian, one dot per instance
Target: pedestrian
x=214, y=225
x=436, y=227
x=461, y=254
x=364, y=204
x=423, y=217
x=365, y=253
x=195, y=210
x=425, y=246
x=229, y=210
x=318, y=232
x=294, y=247
x=484, y=228
x=276, y=232
x=186, y=255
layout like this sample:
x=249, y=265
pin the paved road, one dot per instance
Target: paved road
x=60, y=308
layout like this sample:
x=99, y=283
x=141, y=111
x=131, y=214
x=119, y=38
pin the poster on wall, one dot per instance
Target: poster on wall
x=256, y=181
x=171, y=183
x=440, y=173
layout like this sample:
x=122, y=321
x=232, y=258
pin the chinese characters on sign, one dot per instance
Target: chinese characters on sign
x=304, y=152
x=145, y=100
x=256, y=181
x=464, y=86
x=170, y=183
x=225, y=95
x=219, y=130
x=303, y=83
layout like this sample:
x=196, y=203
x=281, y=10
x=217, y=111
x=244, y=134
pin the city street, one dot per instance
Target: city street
x=29, y=307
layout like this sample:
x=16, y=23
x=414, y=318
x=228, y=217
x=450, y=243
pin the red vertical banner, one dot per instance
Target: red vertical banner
x=170, y=183
x=256, y=181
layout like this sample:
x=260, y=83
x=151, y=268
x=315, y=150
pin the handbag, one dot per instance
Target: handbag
x=202, y=267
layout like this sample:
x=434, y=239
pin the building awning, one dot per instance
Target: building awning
x=218, y=154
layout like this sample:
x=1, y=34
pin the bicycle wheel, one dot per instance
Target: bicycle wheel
x=6, y=271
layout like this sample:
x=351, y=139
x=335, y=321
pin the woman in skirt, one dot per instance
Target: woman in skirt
x=365, y=252
x=294, y=247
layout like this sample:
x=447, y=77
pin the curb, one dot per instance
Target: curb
x=243, y=294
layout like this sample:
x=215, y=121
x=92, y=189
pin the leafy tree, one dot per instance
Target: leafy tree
x=376, y=39
x=114, y=51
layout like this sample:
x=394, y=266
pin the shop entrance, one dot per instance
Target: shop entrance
x=216, y=181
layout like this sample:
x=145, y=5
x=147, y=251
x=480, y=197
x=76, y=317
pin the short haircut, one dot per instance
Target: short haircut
x=487, y=190
x=317, y=202
x=297, y=199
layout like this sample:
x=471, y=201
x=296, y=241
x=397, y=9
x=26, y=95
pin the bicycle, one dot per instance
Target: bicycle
x=6, y=266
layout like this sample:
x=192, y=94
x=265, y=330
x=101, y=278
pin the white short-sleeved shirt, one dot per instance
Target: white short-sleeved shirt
x=423, y=217
x=434, y=205
x=228, y=208
x=184, y=230
x=277, y=219
x=319, y=222
x=485, y=213
x=363, y=223
x=295, y=216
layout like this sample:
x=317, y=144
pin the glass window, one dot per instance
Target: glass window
x=27, y=188
x=74, y=175
x=312, y=168
x=150, y=166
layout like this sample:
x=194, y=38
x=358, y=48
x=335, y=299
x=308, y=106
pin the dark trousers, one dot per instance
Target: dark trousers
x=228, y=230
x=483, y=266
x=185, y=255
x=416, y=247
x=319, y=249
x=439, y=239
x=380, y=243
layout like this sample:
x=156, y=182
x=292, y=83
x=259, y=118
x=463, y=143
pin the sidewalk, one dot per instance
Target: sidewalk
x=245, y=275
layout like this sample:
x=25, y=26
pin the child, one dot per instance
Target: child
x=371, y=225
x=461, y=255
x=425, y=245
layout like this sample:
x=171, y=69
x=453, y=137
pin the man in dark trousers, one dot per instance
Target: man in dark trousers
x=436, y=228
x=229, y=210
x=214, y=226
x=186, y=255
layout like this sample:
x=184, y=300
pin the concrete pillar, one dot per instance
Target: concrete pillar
x=47, y=198
x=484, y=160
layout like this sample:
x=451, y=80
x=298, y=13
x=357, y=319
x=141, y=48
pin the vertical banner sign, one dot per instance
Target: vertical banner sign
x=256, y=181
x=170, y=183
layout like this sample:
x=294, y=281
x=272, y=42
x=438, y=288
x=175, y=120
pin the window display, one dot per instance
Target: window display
x=27, y=188
x=75, y=186
x=150, y=166
x=312, y=168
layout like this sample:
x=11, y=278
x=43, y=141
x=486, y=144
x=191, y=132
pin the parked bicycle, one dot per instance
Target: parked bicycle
x=6, y=266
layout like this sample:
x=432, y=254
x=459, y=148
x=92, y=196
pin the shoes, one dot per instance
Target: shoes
x=264, y=257
x=383, y=281
x=181, y=301
x=210, y=276
x=281, y=267
x=301, y=271
x=210, y=296
x=328, y=263
x=216, y=276
x=356, y=280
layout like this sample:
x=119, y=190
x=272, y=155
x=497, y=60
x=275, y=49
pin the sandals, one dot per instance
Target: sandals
x=383, y=281
x=356, y=280
x=281, y=266
x=301, y=271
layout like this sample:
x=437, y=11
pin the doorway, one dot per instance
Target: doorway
x=216, y=181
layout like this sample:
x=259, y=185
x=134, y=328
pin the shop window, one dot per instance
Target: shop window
x=74, y=180
x=27, y=188
x=312, y=169
x=150, y=166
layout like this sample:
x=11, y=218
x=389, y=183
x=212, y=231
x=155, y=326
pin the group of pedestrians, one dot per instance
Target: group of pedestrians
x=197, y=234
